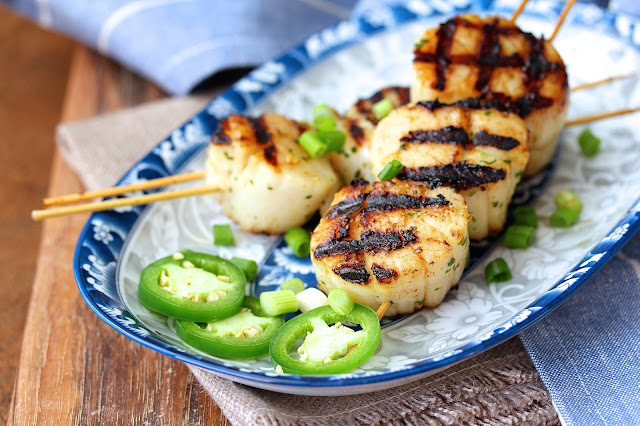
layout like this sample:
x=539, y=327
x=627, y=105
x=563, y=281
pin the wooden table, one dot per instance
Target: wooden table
x=73, y=367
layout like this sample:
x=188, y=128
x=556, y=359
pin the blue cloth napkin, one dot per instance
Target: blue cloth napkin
x=587, y=351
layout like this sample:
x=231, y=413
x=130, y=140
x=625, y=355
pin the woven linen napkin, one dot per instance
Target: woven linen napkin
x=500, y=386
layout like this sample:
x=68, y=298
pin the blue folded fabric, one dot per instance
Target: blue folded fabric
x=178, y=43
x=586, y=352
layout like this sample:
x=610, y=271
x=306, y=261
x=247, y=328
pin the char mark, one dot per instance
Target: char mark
x=522, y=106
x=504, y=143
x=450, y=134
x=384, y=275
x=445, y=39
x=459, y=175
x=220, y=136
x=354, y=273
x=370, y=241
x=356, y=132
x=388, y=202
x=259, y=126
x=271, y=155
x=347, y=207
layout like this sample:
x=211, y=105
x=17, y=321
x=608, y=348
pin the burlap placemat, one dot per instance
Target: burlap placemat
x=500, y=386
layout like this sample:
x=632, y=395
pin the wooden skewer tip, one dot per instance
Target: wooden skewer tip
x=383, y=309
x=563, y=15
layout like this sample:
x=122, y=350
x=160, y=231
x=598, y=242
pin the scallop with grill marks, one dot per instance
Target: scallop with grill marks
x=480, y=153
x=395, y=241
x=491, y=63
x=268, y=182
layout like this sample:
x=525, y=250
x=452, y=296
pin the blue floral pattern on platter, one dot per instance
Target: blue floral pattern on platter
x=114, y=246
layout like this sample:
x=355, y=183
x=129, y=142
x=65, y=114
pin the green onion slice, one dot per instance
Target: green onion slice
x=299, y=240
x=296, y=285
x=340, y=301
x=382, y=108
x=333, y=139
x=525, y=215
x=564, y=217
x=589, y=143
x=248, y=266
x=391, y=170
x=223, y=235
x=497, y=271
x=567, y=199
x=278, y=302
x=323, y=118
x=519, y=236
x=312, y=144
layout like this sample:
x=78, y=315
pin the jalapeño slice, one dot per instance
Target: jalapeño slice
x=329, y=347
x=244, y=335
x=192, y=286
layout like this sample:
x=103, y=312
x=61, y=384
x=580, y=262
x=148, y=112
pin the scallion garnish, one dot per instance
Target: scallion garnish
x=564, y=217
x=518, y=236
x=248, y=266
x=296, y=285
x=589, y=143
x=391, y=170
x=382, y=108
x=568, y=199
x=278, y=302
x=525, y=215
x=497, y=271
x=340, y=301
x=312, y=144
x=323, y=118
x=223, y=235
x=333, y=139
x=299, y=240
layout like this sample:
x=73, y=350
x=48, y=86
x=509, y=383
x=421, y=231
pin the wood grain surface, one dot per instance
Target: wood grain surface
x=73, y=367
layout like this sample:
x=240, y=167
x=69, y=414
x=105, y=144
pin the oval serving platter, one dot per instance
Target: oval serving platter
x=338, y=65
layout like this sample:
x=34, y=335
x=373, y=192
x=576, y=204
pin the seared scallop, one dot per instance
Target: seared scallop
x=268, y=182
x=358, y=124
x=396, y=241
x=491, y=63
x=481, y=153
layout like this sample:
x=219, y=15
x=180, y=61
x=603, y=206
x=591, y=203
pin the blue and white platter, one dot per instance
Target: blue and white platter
x=338, y=65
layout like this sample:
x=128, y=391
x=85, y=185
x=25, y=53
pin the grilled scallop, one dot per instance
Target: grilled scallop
x=491, y=63
x=480, y=153
x=268, y=183
x=395, y=241
x=358, y=124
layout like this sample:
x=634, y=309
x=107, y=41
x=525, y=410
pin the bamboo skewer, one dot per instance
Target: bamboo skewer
x=600, y=116
x=383, y=309
x=603, y=81
x=518, y=11
x=121, y=202
x=565, y=11
x=119, y=190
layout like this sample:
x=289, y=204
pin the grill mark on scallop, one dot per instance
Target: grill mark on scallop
x=398, y=95
x=347, y=207
x=449, y=135
x=220, y=136
x=354, y=272
x=522, y=106
x=388, y=202
x=357, y=132
x=534, y=68
x=504, y=143
x=263, y=137
x=370, y=241
x=382, y=274
x=460, y=175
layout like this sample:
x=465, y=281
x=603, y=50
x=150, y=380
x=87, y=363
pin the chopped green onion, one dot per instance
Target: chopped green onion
x=323, y=118
x=340, y=301
x=311, y=298
x=382, y=108
x=567, y=199
x=299, y=240
x=296, y=285
x=589, y=143
x=248, y=266
x=391, y=170
x=525, y=215
x=564, y=217
x=312, y=144
x=278, y=302
x=497, y=271
x=333, y=139
x=518, y=236
x=223, y=235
